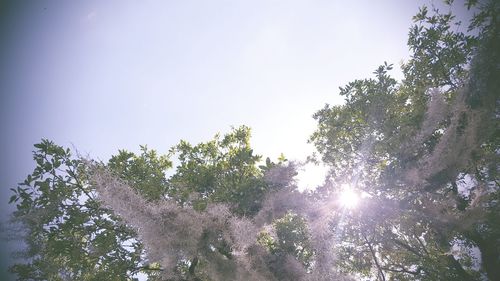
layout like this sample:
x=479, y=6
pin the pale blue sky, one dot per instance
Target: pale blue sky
x=109, y=75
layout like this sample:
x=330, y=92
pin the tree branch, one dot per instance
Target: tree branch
x=372, y=251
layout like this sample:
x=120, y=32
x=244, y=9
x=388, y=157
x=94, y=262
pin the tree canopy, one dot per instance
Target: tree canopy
x=420, y=155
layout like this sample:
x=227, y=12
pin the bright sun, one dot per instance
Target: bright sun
x=348, y=198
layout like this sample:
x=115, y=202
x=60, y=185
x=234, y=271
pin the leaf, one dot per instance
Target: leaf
x=44, y=186
x=39, y=145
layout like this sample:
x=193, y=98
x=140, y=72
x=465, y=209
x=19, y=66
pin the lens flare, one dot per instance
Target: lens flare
x=348, y=198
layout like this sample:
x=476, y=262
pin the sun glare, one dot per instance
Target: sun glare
x=348, y=198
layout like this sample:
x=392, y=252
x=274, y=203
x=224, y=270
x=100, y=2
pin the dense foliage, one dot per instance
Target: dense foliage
x=69, y=235
x=427, y=150
x=422, y=152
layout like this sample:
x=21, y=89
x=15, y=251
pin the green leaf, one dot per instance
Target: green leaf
x=39, y=145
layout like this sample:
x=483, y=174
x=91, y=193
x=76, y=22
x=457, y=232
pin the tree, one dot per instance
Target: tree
x=68, y=234
x=410, y=144
x=206, y=225
x=193, y=223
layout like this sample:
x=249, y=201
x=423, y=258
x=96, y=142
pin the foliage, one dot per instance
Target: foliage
x=202, y=227
x=145, y=172
x=202, y=236
x=423, y=153
x=293, y=237
x=67, y=233
x=408, y=145
x=223, y=170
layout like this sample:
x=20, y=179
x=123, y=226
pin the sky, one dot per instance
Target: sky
x=99, y=76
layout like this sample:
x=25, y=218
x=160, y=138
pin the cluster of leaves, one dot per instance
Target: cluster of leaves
x=291, y=238
x=68, y=234
x=223, y=171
